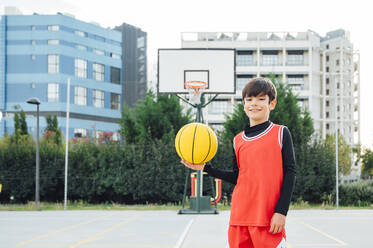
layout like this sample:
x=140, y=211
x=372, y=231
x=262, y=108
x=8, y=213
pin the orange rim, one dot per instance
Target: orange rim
x=195, y=84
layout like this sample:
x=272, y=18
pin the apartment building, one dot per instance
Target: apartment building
x=38, y=53
x=134, y=64
x=322, y=71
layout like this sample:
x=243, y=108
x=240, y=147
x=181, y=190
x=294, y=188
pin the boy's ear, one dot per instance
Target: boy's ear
x=272, y=104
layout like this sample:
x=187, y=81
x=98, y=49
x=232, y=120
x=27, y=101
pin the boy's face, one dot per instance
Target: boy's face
x=257, y=108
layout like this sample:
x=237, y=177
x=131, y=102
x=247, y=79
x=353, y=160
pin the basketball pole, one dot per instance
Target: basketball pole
x=199, y=119
x=199, y=173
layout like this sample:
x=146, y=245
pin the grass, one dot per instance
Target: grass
x=44, y=206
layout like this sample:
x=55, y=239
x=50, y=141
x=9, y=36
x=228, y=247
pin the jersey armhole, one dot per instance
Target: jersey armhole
x=280, y=135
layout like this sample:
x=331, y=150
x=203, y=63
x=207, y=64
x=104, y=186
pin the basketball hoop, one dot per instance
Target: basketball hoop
x=195, y=88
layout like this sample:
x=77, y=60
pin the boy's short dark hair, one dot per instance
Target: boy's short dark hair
x=259, y=85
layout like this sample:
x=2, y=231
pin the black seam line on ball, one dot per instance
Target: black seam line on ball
x=180, y=142
x=209, y=144
x=194, y=138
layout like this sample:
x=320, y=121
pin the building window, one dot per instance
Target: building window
x=98, y=98
x=303, y=104
x=327, y=114
x=337, y=85
x=115, y=56
x=80, y=95
x=327, y=103
x=327, y=58
x=218, y=107
x=295, y=79
x=297, y=87
x=80, y=33
x=337, y=62
x=327, y=81
x=32, y=28
x=245, y=58
x=33, y=43
x=81, y=47
x=140, y=42
x=295, y=58
x=270, y=58
x=98, y=72
x=115, y=75
x=53, y=92
x=115, y=101
x=99, y=52
x=53, y=27
x=327, y=126
x=53, y=42
x=81, y=68
x=80, y=132
x=327, y=46
x=53, y=64
x=327, y=92
x=241, y=81
x=338, y=108
x=327, y=69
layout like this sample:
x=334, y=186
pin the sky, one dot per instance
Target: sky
x=164, y=20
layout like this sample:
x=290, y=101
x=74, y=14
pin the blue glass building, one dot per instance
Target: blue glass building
x=38, y=53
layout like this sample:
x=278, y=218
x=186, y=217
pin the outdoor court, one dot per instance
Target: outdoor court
x=167, y=229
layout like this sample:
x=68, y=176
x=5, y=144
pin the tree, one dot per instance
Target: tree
x=17, y=129
x=156, y=118
x=128, y=131
x=52, y=132
x=344, y=152
x=288, y=113
x=23, y=123
x=367, y=160
x=20, y=128
x=315, y=172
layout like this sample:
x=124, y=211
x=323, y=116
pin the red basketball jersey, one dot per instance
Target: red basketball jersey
x=260, y=177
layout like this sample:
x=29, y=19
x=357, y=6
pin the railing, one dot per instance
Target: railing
x=243, y=36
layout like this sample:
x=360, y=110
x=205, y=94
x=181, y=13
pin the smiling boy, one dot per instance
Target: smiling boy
x=263, y=172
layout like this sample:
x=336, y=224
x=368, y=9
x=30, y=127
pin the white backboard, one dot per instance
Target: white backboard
x=216, y=67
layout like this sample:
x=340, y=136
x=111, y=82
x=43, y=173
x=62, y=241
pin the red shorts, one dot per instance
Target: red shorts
x=255, y=237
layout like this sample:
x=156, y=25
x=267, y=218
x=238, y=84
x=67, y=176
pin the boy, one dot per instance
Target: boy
x=263, y=172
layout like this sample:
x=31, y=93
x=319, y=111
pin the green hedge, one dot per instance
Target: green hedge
x=357, y=193
x=146, y=172
x=97, y=173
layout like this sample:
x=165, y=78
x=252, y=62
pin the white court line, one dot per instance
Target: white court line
x=182, y=237
x=340, y=242
x=316, y=244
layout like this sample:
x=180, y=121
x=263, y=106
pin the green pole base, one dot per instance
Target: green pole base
x=204, y=206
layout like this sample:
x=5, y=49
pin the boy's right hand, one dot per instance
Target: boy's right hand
x=193, y=166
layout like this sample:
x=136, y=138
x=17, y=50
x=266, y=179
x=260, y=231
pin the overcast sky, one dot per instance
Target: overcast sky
x=164, y=20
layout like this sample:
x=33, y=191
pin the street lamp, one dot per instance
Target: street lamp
x=36, y=101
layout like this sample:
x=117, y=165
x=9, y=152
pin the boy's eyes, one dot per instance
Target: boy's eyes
x=249, y=99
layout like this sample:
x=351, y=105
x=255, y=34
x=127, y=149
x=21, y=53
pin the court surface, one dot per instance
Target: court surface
x=167, y=229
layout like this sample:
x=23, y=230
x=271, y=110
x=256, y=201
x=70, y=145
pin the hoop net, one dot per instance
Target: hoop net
x=195, y=88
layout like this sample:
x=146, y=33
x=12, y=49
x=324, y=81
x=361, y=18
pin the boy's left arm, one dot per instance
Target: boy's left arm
x=289, y=172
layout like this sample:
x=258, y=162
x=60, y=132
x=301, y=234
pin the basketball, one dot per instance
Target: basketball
x=196, y=143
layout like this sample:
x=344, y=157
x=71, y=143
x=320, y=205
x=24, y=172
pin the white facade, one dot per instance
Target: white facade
x=322, y=71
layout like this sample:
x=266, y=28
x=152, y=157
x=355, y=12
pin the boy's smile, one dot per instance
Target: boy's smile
x=257, y=108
